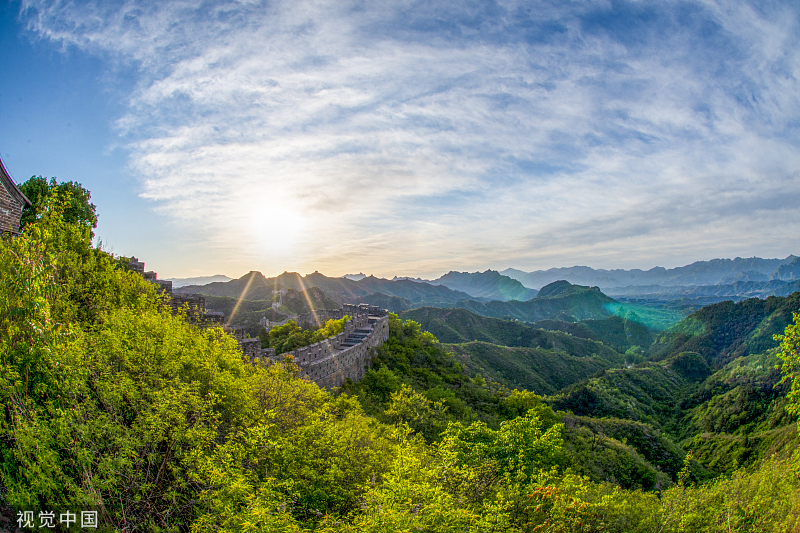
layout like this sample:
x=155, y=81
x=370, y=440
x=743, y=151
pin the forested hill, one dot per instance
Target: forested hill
x=712, y=388
x=461, y=325
x=721, y=332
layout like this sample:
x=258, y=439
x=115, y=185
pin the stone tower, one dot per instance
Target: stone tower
x=11, y=202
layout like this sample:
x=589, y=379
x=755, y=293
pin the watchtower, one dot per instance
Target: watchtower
x=12, y=201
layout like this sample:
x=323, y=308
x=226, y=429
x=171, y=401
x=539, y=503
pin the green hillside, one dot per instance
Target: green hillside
x=630, y=454
x=462, y=325
x=739, y=415
x=541, y=370
x=625, y=453
x=724, y=331
x=650, y=392
x=616, y=332
x=736, y=416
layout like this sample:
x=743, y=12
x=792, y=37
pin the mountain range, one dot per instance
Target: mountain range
x=200, y=280
x=713, y=272
x=255, y=286
x=657, y=297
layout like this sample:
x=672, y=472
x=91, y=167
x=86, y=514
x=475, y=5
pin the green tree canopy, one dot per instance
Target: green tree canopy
x=790, y=354
x=79, y=210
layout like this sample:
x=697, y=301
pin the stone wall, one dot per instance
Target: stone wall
x=251, y=349
x=320, y=316
x=331, y=362
x=10, y=211
x=193, y=304
x=12, y=201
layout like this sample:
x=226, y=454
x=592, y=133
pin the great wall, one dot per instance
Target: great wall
x=328, y=363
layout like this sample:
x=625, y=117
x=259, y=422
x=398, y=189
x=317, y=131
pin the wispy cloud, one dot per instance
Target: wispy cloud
x=411, y=137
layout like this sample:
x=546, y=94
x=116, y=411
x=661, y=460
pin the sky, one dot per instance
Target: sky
x=412, y=138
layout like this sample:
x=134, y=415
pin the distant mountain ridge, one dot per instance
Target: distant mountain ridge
x=255, y=286
x=491, y=285
x=199, y=280
x=736, y=291
x=711, y=272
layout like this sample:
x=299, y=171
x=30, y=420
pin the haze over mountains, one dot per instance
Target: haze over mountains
x=697, y=284
x=490, y=284
x=713, y=272
x=199, y=280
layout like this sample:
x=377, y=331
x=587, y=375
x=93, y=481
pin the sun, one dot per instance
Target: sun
x=277, y=229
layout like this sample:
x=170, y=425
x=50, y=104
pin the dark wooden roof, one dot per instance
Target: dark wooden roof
x=10, y=186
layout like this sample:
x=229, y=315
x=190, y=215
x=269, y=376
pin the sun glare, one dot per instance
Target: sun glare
x=277, y=230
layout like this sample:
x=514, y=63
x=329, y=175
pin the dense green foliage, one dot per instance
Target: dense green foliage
x=627, y=453
x=790, y=356
x=412, y=367
x=77, y=208
x=727, y=330
x=541, y=370
x=648, y=392
x=739, y=415
x=616, y=332
x=290, y=336
x=460, y=325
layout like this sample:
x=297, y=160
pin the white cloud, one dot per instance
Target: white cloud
x=374, y=139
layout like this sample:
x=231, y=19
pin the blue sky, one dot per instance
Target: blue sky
x=412, y=138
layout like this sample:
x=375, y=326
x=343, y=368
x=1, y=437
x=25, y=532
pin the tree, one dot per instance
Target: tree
x=790, y=354
x=79, y=210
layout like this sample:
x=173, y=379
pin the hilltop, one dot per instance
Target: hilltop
x=489, y=285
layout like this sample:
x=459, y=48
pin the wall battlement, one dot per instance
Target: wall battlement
x=330, y=362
